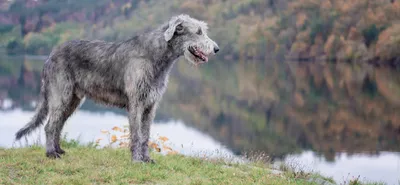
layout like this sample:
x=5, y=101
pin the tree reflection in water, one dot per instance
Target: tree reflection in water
x=277, y=107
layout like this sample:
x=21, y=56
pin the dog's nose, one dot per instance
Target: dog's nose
x=216, y=49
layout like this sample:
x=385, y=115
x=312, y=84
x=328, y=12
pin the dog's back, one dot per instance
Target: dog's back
x=96, y=71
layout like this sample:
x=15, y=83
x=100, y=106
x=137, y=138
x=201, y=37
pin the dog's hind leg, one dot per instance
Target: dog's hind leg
x=61, y=102
x=74, y=103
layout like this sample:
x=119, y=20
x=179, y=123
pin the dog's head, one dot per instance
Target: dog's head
x=189, y=37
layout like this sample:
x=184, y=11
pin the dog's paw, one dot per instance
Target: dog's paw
x=149, y=160
x=53, y=155
x=143, y=160
x=60, y=151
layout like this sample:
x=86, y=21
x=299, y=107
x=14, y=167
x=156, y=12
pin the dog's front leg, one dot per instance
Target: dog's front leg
x=135, y=118
x=147, y=119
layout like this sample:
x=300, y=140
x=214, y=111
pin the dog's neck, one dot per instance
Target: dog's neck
x=153, y=47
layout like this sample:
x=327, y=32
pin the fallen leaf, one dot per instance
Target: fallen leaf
x=172, y=152
x=153, y=145
x=163, y=138
x=167, y=148
x=117, y=129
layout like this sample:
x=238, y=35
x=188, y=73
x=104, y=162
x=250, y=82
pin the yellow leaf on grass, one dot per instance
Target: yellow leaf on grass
x=163, y=138
x=172, y=152
x=117, y=129
x=153, y=145
x=113, y=138
x=167, y=148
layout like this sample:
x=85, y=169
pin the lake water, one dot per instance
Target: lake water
x=87, y=126
x=339, y=119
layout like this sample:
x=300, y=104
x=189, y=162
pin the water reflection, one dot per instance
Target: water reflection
x=281, y=108
x=285, y=107
x=384, y=167
x=86, y=127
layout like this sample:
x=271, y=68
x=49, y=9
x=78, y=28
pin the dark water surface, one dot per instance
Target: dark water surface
x=342, y=119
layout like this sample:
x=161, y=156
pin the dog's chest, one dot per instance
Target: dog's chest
x=155, y=95
x=153, y=91
x=150, y=82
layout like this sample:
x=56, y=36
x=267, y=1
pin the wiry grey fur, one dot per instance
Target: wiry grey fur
x=132, y=74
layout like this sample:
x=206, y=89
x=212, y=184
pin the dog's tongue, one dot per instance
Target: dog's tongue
x=203, y=57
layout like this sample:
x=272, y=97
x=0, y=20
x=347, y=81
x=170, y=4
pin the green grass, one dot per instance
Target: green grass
x=87, y=165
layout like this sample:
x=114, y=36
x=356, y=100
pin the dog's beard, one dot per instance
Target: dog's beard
x=193, y=59
x=202, y=50
x=190, y=58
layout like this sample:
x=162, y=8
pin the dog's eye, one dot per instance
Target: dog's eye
x=199, y=32
x=179, y=28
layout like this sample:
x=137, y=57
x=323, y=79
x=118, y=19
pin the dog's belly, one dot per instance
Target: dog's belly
x=110, y=97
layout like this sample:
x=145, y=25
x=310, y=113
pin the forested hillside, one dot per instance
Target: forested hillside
x=361, y=30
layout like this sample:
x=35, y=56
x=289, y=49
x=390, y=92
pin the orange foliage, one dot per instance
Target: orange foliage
x=113, y=138
x=123, y=141
x=162, y=138
x=301, y=19
x=117, y=129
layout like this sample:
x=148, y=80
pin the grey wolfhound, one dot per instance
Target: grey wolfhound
x=132, y=74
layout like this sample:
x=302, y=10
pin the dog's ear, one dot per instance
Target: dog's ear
x=175, y=24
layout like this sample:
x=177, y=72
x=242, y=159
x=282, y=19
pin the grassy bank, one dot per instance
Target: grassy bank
x=87, y=165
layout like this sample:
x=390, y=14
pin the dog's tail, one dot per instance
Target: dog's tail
x=41, y=114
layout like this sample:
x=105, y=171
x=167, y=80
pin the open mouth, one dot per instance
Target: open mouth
x=198, y=54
